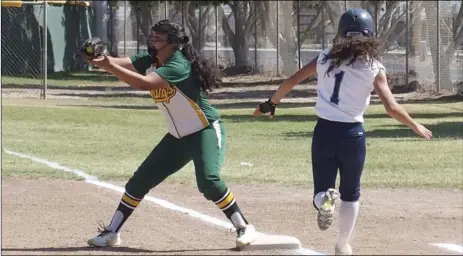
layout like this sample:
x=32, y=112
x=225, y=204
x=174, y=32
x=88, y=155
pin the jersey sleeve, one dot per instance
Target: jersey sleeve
x=141, y=62
x=323, y=53
x=378, y=66
x=174, y=71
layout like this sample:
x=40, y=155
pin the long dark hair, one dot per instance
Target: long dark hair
x=201, y=68
x=352, y=48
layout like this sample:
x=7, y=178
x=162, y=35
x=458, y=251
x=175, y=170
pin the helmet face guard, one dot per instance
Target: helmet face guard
x=175, y=35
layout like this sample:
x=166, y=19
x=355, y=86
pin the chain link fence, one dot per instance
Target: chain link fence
x=22, y=44
x=422, y=40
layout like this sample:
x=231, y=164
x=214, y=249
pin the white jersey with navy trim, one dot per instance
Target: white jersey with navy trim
x=344, y=94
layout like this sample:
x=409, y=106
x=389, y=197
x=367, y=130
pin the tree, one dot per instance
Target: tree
x=198, y=24
x=113, y=23
x=144, y=12
x=287, y=32
x=456, y=35
x=244, y=15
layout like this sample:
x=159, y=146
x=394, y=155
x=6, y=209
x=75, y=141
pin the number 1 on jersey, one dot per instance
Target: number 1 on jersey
x=337, y=84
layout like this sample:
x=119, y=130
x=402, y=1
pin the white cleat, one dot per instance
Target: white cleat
x=326, y=211
x=245, y=236
x=343, y=250
x=106, y=238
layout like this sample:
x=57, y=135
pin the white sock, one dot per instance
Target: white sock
x=237, y=220
x=348, y=212
x=116, y=221
x=318, y=199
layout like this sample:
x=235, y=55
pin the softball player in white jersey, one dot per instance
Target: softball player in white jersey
x=347, y=74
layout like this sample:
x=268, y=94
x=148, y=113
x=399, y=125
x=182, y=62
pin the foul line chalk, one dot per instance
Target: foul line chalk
x=451, y=247
x=163, y=203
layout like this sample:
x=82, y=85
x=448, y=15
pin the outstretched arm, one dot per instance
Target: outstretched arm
x=123, y=61
x=140, y=82
x=394, y=109
x=302, y=74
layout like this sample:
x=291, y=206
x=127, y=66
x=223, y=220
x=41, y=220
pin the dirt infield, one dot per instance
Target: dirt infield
x=56, y=217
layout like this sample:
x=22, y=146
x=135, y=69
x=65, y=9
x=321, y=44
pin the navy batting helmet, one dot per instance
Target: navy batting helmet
x=356, y=21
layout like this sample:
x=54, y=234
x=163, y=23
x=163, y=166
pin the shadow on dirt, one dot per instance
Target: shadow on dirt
x=121, y=249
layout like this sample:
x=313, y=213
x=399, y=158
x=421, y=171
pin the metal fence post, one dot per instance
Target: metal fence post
x=45, y=50
x=298, y=31
x=166, y=11
x=137, y=11
x=323, y=28
x=438, y=47
x=278, y=38
x=125, y=27
x=217, y=36
x=376, y=18
x=407, y=41
x=255, y=37
x=200, y=21
x=183, y=14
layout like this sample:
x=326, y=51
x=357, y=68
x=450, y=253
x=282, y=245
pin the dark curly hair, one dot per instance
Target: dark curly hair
x=201, y=68
x=352, y=49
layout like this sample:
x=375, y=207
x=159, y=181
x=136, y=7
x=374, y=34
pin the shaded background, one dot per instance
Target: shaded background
x=422, y=40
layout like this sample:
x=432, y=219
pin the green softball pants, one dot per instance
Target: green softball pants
x=205, y=148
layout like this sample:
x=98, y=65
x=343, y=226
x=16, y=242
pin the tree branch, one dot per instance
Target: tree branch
x=226, y=27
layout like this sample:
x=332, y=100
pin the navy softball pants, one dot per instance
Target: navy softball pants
x=338, y=146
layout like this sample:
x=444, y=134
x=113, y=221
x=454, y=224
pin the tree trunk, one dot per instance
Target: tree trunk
x=287, y=39
x=239, y=39
x=241, y=52
x=198, y=26
x=112, y=28
x=434, y=42
x=146, y=12
x=334, y=9
x=414, y=36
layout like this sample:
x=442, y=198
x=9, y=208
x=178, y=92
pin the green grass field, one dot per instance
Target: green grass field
x=111, y=142
x=64, y=79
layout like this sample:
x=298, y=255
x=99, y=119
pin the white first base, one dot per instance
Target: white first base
x=268, y=242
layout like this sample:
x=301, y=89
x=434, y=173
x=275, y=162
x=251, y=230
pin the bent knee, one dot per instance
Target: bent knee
x=138, y=187
x=350, y=195
x=212, y=189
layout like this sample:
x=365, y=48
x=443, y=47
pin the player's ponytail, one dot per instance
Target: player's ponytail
x=200, y=68
x=351, y=49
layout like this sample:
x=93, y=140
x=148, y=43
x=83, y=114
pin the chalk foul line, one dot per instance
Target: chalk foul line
x=163, y=203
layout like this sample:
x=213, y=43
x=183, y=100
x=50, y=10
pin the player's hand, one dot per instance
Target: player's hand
x=102, y=61
x=266, y=107
x=422, y=131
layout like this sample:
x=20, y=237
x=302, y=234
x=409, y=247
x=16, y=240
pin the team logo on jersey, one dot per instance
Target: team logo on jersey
x=163, y=95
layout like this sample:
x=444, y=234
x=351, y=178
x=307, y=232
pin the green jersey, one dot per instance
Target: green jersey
x=184, y=105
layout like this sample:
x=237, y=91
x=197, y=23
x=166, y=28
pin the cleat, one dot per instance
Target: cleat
x=106, y=238
x=343, y=250
x=245, y=236
x=326, y=211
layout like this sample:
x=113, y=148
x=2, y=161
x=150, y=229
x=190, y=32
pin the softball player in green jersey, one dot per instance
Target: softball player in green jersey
x=178, y=81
